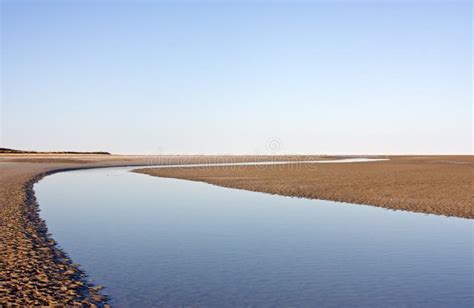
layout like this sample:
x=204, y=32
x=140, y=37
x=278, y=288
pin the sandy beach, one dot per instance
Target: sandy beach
x=439, y=185
x=33, y=270
x=239, y=154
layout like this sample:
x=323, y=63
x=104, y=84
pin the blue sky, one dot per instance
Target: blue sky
x=213, y=77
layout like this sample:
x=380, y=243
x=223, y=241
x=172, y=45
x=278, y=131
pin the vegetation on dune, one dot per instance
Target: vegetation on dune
x=12, y=151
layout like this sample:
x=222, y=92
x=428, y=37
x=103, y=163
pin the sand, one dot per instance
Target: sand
x=33, y=271
x=439, y=185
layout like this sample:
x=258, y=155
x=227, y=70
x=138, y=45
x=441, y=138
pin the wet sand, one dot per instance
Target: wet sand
x=439, y=185
x=33, y=270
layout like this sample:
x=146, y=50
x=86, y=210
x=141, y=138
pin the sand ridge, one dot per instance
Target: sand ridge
x=439, y=185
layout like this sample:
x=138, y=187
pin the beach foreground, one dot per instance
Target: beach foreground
x=439, y=185
x=33, y=270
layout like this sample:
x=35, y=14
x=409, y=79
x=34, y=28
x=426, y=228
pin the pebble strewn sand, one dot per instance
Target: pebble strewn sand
x=429, y=184
x=33, y=270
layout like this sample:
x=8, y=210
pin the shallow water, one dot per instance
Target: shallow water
x=165, y=242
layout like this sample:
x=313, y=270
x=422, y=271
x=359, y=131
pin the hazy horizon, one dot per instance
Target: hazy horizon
x=156, y=77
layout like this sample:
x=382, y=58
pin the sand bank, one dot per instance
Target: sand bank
x=439, y=185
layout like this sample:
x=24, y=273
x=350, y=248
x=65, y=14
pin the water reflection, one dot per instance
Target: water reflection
x=165, y=242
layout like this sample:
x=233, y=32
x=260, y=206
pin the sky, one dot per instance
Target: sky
x=240, y=77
